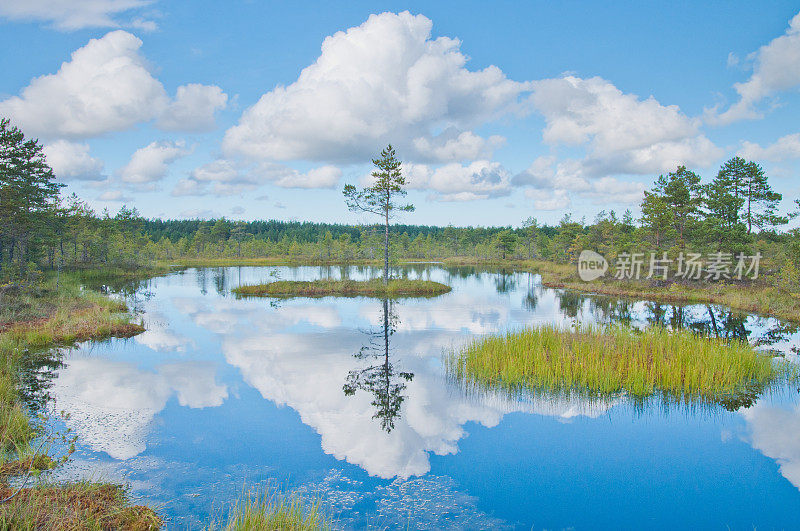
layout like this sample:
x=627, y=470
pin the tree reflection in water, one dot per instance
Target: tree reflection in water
x=504, y=282
x=379, y=377
x=710, y=320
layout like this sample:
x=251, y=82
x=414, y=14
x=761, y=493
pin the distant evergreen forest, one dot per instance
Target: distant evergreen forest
x=735, y=212
x=300, y=231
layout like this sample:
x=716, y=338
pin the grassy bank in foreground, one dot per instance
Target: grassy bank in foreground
x=34, y=318
x=609, y=360
x=346, y=288
x=760, y=297
x=74, y=506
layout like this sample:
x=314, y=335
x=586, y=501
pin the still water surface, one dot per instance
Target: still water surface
x=346, y=399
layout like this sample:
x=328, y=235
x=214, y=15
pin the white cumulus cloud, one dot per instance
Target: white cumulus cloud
x=71, y=161
x=551, y=184
x=104, y=87
x=193, y=108
x=186, y=187
x=549, y=199
x=456, y=146
x=114, y=195
x=217, y=171
x=481, y=179
x=622, y=133
x=228, y=177
x=786, y=147
x=578, y=110
x=279, y=175
x=151, y=163
x=776, y=67
x=384, y=81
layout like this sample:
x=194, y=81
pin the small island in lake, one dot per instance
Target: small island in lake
x=345, y=288
x=607, y=360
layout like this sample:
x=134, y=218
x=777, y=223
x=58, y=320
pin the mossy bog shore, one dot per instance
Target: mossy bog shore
x=35, y=318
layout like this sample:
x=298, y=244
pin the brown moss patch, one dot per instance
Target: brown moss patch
x=74, y=506
x=19, y=467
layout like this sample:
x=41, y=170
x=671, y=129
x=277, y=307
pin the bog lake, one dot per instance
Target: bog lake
x=348, y=401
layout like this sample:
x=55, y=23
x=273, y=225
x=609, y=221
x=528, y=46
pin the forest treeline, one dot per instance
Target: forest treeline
x=737, y=211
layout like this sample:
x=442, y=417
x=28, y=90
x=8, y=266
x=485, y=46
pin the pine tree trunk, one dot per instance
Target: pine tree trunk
x=749, y=201
x=386, y=250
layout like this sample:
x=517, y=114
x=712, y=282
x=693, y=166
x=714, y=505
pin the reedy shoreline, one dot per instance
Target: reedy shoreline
x=758, y=297
x=44, y=318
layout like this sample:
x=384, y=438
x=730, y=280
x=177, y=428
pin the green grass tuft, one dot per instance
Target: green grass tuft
x=615, y=359
x=270, y=512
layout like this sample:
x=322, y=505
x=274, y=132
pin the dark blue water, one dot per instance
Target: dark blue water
x=224, y=394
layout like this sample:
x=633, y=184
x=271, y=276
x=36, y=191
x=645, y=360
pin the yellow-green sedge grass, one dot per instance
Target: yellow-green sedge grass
x=608, y=360
x=270, y=511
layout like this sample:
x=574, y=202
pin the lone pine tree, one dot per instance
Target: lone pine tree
x=380, y=198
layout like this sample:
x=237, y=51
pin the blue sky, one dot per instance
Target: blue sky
x=501, y=111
